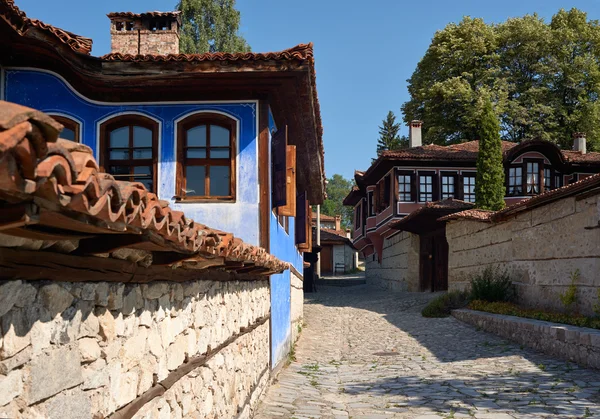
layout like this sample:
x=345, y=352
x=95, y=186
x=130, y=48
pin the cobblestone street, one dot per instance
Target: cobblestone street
x=366, y=353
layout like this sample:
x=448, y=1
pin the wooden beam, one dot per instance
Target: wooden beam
x=264, y=213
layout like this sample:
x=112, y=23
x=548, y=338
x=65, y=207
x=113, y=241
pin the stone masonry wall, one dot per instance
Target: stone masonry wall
x=148, y=42
x=297, y=302
x=399, y=268
x=83, y=350
x=541, y=248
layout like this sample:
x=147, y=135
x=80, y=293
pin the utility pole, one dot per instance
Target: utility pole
x=318, y=240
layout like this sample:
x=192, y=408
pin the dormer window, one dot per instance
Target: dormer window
x=533, y=178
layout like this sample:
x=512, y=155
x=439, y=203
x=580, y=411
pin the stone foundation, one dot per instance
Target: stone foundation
x=399, y=268
x=79, y=350
x=576, y=344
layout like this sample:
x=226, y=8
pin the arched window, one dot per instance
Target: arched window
x=70, y=130
x=206, y=158
x=128, y=149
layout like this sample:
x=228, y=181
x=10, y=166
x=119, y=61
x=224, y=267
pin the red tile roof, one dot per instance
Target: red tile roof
x=175, y=14
x=470, y=214
x=62, y=180
x=332, y=237
x=323, y=217
x=437, y=207
x=22, y=25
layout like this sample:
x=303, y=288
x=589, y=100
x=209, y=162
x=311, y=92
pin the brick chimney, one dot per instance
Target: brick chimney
x=579, y=142
x=153, y=33
x=414, y=134
x=338, y=222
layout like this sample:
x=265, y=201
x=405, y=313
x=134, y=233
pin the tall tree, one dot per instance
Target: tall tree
x=543, y=78
x=337, y=189
x=388, y=135
x=210, y=26
x=489, y=183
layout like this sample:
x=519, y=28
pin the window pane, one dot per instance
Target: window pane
x=142, y=137
x=142, y=153
x=219, y=153
x=219, y=136
x=196, y=153
x=194, y=179
x=119, y=154
x=196, y=137
x=219, y=181
x=67, y=134
x=119, y=137
x=118, y=170
x=143, y=175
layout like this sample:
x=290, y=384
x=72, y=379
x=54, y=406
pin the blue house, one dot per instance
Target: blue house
x=232, y=140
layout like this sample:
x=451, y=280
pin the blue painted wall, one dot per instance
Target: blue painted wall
x=50, y=93
x=283, y=245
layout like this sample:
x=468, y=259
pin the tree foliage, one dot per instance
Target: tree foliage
x=210, y=26
x=544, y=79
x=389, y=138
x=489, y=183
x=337, y=189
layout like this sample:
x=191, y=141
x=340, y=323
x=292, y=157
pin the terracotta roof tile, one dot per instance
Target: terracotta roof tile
x=323, y=217
x=175, y=14
x=62, y=180
x=470, y=214
x=22, y=25
x=462, y=151
x=449, y=204
x=332, y=236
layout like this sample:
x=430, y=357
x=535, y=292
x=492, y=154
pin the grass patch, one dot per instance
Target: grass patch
x=511, y=309
x=442, y=305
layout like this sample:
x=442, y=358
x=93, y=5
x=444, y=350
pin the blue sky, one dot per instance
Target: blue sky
x=364, y=50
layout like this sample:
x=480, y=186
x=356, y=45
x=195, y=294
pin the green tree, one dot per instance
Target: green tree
x=388, y=134
x=337, y=189
x=543, y=78
x=210, y=26
x=489, y=183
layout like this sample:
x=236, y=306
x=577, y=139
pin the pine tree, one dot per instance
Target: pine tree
x=489, y=184
x=210, y=26
x=388, y=135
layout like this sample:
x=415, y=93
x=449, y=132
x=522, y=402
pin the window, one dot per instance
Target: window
x=448, y=186
x=70, y=130
x=357, y=216
x=533, y=181
x=547, y=179
x=387, y=191
x=515, y=181
x=558, y=180
x=206, y=158
x=129, y=149
x=370, y=203
x=425, y=188
x=469, y=188
x=404, y=188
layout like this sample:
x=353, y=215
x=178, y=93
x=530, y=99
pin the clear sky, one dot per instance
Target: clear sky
x=364, y=51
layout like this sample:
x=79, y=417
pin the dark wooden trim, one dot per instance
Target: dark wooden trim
x=130, y=409
x=206, y=119
x=130, y=120
x=68, y=123
x=264, y=163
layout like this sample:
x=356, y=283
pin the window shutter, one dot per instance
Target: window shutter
x=435, y=179
x=289, y=209
x=278, y=168
x=413, y=187
x=396, y=187
x=301, y=217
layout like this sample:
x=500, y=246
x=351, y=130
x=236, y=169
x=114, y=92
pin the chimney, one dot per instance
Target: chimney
x=152, y=33
x=348, y=233
x=414, y=134
x=338, y=222
x=579, y=143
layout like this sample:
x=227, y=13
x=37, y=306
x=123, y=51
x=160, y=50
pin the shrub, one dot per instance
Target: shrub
x=442, y=305
x=570, y=295
x=493, y=284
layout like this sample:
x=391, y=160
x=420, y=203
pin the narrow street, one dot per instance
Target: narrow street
x=366, y=353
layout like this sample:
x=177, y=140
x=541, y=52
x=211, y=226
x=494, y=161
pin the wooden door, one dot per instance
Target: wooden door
x=326, y=257
x=425, y=263
x=433, y=260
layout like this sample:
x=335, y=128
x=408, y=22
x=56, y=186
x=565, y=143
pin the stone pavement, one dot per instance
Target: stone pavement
x=366, y=353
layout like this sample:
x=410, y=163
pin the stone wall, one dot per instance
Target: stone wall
x=297, y=303
x=399, y=268
x=82, y=350
x=540, y=248
x=145, y=42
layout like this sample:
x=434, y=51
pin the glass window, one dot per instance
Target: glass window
x=515, y=181
x=129, y=146
x=404, y=188
x=206, y=157
x=547, y=179
x=558, y=180
x=533, y=181
x=357, y=216
x=469, y=188
x=371, y=208
x=71, y=128
x=425, y=188
x=448, y=187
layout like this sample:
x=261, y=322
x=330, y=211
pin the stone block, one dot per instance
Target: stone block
x=51, y=373
x=134, y=349
x=9, y=364
x=15, y=328
x=26, y=297
x=175, y=353
x=155, y=290
x=101, y=294
x=107, y=324
x=70, y=405
x=95, y=375
x=132, y=300
x=9, y=294
x=89, y=349
x=55, y=298
x=11, y=386
x=115, y=297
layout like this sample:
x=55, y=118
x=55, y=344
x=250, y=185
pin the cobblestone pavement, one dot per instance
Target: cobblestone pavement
x=365, y=353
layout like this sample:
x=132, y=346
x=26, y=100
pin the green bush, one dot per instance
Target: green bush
x=493, y=284
x=570, y=295
x=442, y=305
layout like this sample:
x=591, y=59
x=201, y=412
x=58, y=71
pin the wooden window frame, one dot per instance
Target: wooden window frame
x=207, y=119
x=464, y=176
x=508, y=177
x=69, y=123
x=540, y=173
x=411, y=180
x=358, y=213
x=130, y=120
x=371, y=203
x=454, y=177
x=431, y=174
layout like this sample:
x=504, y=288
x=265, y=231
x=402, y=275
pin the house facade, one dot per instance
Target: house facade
x=232, y=140
x=399, y=199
